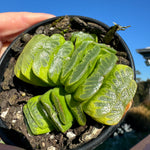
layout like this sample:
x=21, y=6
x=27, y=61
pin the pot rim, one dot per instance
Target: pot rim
x=108, y=130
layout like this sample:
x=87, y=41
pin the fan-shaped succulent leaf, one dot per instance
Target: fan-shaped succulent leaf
x=58, y=99
x=107, y=48
x=75, y=59
x=76, y=109
x=109, y=104
x=82, y=70
x=59, y=61
x=37, y=113
x=17, y=70
x=92, y=84
x=34, y=128
x=52, y=112
x=29, y=52
x=79, y=37
x=24, y=62
x=43, y=59
x=18, y=73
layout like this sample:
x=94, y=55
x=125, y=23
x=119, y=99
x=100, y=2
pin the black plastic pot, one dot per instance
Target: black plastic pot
x=12, y=137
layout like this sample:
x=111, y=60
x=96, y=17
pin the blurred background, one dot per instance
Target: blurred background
x=129, y=12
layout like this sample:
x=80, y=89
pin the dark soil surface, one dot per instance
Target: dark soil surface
x=15, y=93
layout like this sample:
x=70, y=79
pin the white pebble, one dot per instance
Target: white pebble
x=18, y=115
x=4, y=113
x=52, y=137
x=23, y=94
x=43, y=144
x=70, y=135
x=52, y=28
x=14, y=121
x=51, y=148
x=115, y=134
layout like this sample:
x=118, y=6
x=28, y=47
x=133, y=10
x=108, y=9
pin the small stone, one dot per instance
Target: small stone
x=18, y=115
x=23, y=94
x=64, y=23
x=51, y=148
x=122, y=60
x=115, y=134
x=12, y=99
x=78, y=22
x=93, y=132
x=43, y=144
x=96, y=28
x=4, y=113
x=123, y=54
x=52, y=137
x=40, y=30
x=14, y=121
x=26, y=37
x=17, y=46
x=52, y=28
x=70, y=135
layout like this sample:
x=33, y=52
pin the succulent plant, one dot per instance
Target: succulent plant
x=83, y=78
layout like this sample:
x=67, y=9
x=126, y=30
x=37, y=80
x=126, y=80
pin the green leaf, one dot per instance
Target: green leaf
x=60, y=59
x=79, y=37
x=18, y=73
x=50, y=109
x=38, y=114
x=76, y=109
x=35, y=129
x=19, y=63
x=43, y=59
x=76, y=57
x=92, y=84
x=28, y=55
x=107, y=48
x=58, y=99
x=82, y=70
x=109, y=104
